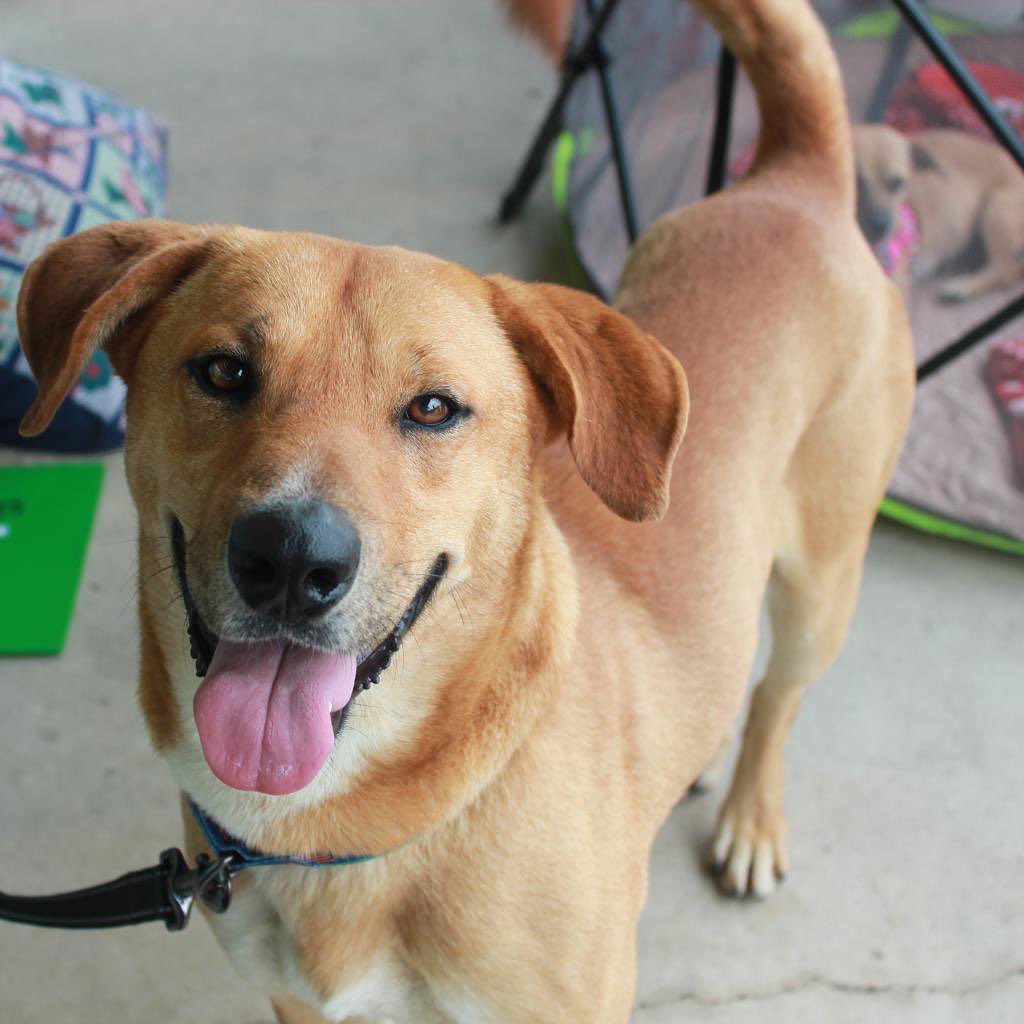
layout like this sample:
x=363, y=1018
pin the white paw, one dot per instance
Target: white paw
x=749, y=857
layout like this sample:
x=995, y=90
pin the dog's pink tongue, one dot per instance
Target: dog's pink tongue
x=264, y=713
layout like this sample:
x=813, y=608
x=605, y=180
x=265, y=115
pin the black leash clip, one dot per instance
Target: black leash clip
x=165, y=892
x=209, y=880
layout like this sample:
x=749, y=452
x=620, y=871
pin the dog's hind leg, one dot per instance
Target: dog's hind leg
x=823, y=518
x=1001, y=228
x=824, y=514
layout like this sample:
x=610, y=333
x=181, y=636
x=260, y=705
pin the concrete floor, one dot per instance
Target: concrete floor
x=402, y=122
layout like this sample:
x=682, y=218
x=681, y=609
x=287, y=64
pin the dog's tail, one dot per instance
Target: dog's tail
x=786, y=52
x=788, y=56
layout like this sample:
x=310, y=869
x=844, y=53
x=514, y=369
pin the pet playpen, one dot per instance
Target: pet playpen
x=652, y=113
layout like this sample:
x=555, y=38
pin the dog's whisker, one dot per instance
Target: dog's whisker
x=366, y=710
x=156, y=572
x=160, y=555
x=458, y=608
x=142, y=566
x=138, y=584
x=358, y=732
x=178, y=597
x=139, y=579
x=127, y=540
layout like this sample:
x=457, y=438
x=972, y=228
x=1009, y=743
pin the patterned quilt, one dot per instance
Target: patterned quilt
x=71, y=157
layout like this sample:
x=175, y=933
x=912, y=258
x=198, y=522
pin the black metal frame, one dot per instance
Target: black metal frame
x=724, y=92
x=592, y=54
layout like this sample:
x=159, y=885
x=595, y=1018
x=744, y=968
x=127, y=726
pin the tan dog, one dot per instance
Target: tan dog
x=964, y=191
x=325, y=436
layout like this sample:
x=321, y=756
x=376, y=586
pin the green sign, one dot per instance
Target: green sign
x=46, y=516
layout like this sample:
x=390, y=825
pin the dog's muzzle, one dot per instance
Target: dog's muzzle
x=203, y=641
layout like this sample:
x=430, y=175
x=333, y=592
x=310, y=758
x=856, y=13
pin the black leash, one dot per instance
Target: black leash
x=165, y=893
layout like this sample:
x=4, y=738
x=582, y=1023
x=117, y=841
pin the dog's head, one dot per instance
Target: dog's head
x=323, y=439
x=886, y=160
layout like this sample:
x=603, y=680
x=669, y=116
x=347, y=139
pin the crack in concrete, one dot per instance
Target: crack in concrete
x=835, y=985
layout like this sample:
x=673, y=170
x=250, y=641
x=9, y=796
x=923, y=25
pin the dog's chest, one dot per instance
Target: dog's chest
x=268, y=953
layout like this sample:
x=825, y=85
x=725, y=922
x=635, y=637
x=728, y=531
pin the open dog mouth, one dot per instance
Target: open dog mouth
x=262, y=707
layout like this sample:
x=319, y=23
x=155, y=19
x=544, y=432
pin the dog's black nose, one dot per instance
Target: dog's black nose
x=293, y=562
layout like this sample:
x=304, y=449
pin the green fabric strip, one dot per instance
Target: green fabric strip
x=927, y=522
x=882, y=24
x=565, y=150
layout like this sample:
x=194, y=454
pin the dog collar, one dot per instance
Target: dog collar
x=225, y=845
x=165, y=892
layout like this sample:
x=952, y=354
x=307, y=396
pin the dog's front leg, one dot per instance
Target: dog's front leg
x=291, y=1011
x=810, y=605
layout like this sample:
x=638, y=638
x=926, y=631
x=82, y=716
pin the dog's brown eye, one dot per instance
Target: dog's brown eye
x=431, y=410
x=895, y=183
x=222, y=376
x=227, y=374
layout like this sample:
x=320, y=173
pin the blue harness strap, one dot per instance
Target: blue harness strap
x=224, y=844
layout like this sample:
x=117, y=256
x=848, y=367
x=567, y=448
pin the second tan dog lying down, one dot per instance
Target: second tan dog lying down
x=325, y=437
x=964, y=192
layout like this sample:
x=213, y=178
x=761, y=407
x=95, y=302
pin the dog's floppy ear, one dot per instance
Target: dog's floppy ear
x=87, y=291
x=616, y=392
